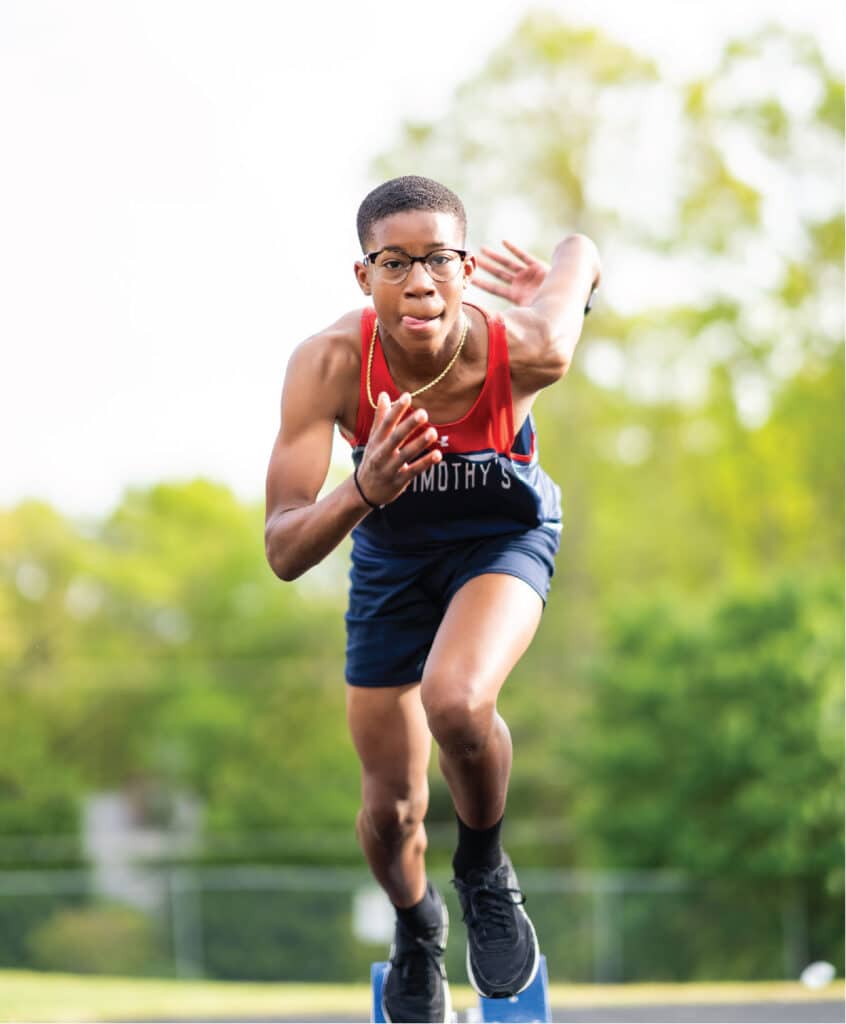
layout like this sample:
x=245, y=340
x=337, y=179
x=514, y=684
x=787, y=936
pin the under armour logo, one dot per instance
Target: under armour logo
x=444, y=441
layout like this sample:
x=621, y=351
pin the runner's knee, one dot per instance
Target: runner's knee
x=391, y=814
x=460, y=717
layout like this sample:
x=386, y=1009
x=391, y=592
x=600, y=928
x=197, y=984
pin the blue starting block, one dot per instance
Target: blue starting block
x=377, y=980
x=529, y=1007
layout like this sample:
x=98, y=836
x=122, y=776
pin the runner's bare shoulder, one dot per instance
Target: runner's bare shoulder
x=327, y=366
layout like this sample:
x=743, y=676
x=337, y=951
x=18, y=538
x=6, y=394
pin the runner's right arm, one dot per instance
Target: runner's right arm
x=300, y=530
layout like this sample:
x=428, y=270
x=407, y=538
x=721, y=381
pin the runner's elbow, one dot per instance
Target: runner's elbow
x=557, y=364
x=278, y=554
x=277, y=562
x=284, y=571
x=554, y=355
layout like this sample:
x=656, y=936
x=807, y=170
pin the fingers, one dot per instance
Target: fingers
x=410, y=424
x=383, y=404
x=521, y=254
x=492, y=287
x=391, y=423
x=494, y=270
x=409, y=470
x=388, y=413
x=497, y=264
x=407, y=453
x=504, y=264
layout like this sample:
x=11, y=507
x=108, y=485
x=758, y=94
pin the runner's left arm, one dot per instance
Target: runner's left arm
x=550, y=302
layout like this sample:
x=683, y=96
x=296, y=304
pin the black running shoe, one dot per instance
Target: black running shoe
x=415, y=987
x=502, y=948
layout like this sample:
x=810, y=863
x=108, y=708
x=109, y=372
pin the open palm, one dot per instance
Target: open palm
x=516, y=278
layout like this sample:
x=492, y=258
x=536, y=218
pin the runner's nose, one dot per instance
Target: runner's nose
x=418, y=281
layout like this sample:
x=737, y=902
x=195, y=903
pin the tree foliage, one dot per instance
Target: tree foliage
x=157, y=645
x=722, y=732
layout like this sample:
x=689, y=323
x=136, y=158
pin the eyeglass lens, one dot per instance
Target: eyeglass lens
x=442, y=265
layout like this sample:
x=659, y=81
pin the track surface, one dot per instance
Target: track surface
x=805, y=1012
x=790, y=1013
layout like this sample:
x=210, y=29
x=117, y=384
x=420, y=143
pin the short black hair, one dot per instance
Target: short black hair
x=410, y=192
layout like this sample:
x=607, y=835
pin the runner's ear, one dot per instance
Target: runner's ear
x=362, y=277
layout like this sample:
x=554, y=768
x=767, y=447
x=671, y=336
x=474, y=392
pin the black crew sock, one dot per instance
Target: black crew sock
x=477, y=848
x=424, y=917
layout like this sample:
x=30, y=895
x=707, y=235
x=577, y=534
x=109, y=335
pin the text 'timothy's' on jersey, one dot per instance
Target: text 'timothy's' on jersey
x=489, y=481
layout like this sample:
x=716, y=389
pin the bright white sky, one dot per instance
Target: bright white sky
x=178, y=188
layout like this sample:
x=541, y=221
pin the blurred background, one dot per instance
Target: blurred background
x=178, y=198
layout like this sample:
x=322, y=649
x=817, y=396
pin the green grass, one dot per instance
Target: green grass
x=33, y=996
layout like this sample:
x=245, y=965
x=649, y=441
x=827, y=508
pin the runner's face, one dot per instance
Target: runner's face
x=418, y=309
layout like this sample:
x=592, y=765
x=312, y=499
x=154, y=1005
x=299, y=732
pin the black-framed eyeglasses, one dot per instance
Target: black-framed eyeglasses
x=394, y=265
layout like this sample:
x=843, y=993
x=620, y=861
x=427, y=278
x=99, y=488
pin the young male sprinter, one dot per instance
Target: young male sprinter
x=455, y=527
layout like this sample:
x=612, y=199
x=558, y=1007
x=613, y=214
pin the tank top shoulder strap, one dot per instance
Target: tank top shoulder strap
x=498, y=382
x=364, y=420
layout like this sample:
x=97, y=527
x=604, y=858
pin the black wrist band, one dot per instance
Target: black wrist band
x=364, y=497
x=593, y=292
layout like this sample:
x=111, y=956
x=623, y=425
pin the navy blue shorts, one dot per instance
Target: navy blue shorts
x=398, y=599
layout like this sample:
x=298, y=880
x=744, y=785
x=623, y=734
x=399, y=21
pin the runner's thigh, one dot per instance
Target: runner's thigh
x=486, y=629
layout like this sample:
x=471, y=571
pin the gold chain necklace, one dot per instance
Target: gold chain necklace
x=431, y=383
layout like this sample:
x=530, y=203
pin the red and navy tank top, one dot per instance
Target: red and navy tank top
x=489, y=481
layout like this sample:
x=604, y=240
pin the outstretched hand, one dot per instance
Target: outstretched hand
x=516, y=278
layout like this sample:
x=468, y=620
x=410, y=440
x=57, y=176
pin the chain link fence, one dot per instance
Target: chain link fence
x=326, y=924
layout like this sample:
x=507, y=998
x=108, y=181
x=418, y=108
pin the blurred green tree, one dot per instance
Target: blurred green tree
x=714, y=745
x=158, y=648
